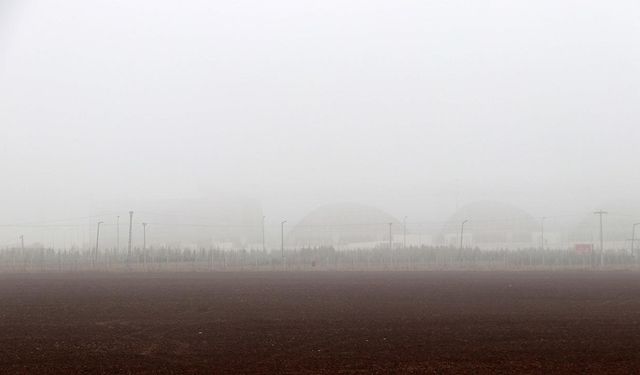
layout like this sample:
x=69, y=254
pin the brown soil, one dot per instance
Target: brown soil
x=321, y=322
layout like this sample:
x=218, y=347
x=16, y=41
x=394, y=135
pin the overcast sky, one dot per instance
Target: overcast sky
x=397, y=104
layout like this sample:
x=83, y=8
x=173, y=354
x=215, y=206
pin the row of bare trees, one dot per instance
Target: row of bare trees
x=322, y=258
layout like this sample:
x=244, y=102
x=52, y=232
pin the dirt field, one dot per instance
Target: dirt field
x=413, y=322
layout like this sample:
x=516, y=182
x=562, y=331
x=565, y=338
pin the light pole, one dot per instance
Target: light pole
x=118, y=234
x=95, y=255
x=633, y=237
x=264, y=247
x=600, y=213
x=542, y=233
x=144, y=236
x=404, y=232
x=462, y=232
x=22, y=249
x=130, y=232
x=144, y=245
x=462, y=236
x=282, y=240
x=542, y=238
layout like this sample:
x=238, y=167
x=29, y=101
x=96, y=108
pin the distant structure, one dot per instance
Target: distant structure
x=617, y=227
x=231, y=223
x=345, y=226
x=130, y=233
x=491, y=225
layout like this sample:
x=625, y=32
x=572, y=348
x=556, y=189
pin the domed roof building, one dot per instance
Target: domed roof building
x=344, y=226
x=491, y=225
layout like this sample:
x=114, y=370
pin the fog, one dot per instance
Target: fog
x=414, y=107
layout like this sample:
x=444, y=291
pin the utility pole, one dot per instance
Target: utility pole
x=462, y=236
x=282, y=241
x=542, y=233
x=404, y=233
x=391, y=236
x=144, y=236
x=144, y=245
x=264, y=247
x=600, y=213
x=95, y=255
x=542, y=238
x=118, y=234
x=22, y=250
x=633, y=238
x=391, y=243
x=130, y=232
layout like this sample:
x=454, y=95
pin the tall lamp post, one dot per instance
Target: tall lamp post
x=282, y=240
x=542, y=233
x=144, y=245
x=462, y=236
x=404, y=232
x=118, y=234
x=600, y=213
x=22, y=249
x=264, y=247
x=144, y=236
x=633, y=238
x=95, y=255
x=130, y=232
x=542, y=237
x=391, y=236
x=391, y=243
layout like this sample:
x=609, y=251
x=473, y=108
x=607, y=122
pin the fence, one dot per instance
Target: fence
x=324, y=258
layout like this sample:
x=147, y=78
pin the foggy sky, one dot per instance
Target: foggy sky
x=410, y=106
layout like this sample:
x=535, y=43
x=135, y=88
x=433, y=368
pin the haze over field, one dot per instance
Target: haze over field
x=413, y=106
x=337, y=186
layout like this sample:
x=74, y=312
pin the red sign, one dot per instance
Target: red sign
x=583, y=248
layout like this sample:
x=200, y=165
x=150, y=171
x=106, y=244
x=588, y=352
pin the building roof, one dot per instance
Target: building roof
x=343, y=224
x=494, y=223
